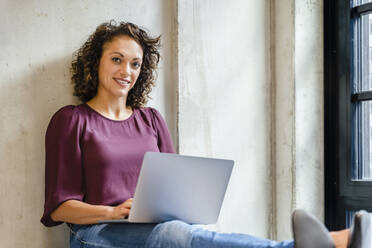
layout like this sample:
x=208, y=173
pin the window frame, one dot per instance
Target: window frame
x=341, y=192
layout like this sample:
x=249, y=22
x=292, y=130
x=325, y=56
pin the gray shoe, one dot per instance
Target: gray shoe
x=360, y=231
x=308, y=232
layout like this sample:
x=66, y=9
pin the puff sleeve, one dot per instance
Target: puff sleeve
x=165, y=142
x=63, y=164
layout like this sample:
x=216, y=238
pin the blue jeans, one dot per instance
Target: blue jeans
x=170, y=234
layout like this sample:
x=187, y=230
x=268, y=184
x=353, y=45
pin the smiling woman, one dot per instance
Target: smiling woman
x=87, y=59
x=119, y=66
x=94, y=152
x=118, y=71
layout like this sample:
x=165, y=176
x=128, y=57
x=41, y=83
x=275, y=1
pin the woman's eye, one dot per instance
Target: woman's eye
x=137, y=65
x=116, y=60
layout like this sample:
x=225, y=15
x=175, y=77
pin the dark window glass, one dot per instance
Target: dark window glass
x=354, y=3
x=348, y=109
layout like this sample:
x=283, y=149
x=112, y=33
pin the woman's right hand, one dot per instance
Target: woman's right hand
x=121, y=211
x=78, y=212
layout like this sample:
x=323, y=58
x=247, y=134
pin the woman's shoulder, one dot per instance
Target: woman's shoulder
x=69, y=113
x=149, y=115
x=150, y=112
x=66, y=119
x=147, y=110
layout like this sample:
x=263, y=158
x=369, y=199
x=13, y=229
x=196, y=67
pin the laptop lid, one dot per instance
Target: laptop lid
x=187, y=188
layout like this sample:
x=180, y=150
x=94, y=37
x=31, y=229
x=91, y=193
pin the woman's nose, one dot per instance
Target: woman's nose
x=125, y=69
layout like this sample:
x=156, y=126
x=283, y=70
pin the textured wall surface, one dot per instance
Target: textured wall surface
x=284, y=87
x=37, y=41
x=224, y=104
x=299, y=132
x=309, y=107
x=251, y=89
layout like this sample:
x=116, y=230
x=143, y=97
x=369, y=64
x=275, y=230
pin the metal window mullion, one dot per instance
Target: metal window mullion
x=359, y=164
x=364, y=111
x=361, y=96
x=356, y=164
x=354, y=137
x=365, y=107
x=359, y=55
x=360, y=10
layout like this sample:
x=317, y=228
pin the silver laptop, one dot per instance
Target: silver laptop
x=172, y=186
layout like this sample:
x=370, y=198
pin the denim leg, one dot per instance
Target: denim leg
x=171, y=234
x=206, y=239
x=181, y=235
x=110, y=235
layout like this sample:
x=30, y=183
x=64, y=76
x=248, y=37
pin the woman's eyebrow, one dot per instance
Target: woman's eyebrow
x=121, y=55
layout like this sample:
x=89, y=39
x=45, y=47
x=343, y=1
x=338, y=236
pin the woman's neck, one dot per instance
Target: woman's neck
x=111, y=108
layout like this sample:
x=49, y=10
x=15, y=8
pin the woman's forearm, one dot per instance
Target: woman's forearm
x=78, y=212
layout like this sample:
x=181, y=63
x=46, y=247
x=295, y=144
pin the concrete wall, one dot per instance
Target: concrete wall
x=241, y=80
x=251, y=89
x=37, y=41
x=299, y=130
x=224, y=101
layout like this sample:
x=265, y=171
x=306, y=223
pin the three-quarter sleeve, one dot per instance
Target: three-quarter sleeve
x=63, y=164
x=165, y=142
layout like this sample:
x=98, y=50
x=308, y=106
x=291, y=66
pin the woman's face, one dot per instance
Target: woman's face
x=119, y=66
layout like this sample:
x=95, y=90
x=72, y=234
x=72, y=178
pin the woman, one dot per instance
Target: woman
x=94, y=152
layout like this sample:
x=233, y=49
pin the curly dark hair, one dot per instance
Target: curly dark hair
x=84, y=67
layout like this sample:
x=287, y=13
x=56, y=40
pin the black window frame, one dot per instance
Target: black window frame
x=341, y=192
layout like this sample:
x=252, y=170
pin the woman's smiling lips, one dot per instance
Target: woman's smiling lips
x=122, y=82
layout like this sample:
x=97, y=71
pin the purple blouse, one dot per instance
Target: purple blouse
x=95, y=159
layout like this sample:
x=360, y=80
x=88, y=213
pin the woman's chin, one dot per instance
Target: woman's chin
x=123, y=93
